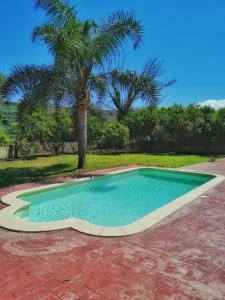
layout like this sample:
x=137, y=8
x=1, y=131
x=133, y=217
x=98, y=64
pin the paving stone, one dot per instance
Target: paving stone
x=183, y=257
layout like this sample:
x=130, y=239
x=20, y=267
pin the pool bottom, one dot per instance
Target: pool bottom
x=115, y=200
x=9, y=220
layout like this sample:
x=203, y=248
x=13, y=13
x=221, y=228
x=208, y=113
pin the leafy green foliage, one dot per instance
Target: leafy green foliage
x=190, y=129
x=114, y=136
x=142, y=124
x=7, y=114
x=4, y=138
x=51, y=127
x=218, y=129
x=95, y=127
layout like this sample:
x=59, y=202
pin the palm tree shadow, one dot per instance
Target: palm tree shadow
x=12, y=176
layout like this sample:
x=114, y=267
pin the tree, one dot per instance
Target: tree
x=142, y=124
x=62, y=130
x=4, y=138
x=80, y=50
x=114, y=136
x=17, y=137
x=51, y=128
x=218, y=126
x=95, y=127
x=19, y=131
x=127, y=87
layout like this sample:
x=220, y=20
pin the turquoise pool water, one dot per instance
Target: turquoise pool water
x=112, y=200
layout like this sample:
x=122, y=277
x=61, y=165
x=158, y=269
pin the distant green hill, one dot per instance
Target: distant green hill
x=8, y=114
x=109, y=115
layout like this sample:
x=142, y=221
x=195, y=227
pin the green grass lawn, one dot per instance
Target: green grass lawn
x=39, y=168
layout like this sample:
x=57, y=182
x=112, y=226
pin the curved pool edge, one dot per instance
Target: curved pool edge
x=8, y=220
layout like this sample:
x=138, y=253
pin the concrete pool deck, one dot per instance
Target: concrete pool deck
x=182, y=257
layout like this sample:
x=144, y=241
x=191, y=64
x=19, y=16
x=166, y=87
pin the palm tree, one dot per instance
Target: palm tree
x=127, y=87
x=80, y=51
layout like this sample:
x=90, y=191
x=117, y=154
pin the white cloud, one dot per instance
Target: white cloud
x=216, y=104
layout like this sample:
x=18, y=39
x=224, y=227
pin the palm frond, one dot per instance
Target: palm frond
x=63, y=43
x=30, y=82
x=113, y=33
x=121, y=25
x=98, y=84
x=59, y=12
x=128, y=86
x=153, y=69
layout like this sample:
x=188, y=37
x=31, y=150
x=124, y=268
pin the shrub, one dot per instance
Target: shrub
x=114, y=136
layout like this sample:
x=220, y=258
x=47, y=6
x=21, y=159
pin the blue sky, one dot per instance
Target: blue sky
x=189, y=35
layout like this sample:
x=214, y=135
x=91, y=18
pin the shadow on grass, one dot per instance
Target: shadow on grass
x=146, y=154
x=35, y=156
x=12, y=176
x=109, y=153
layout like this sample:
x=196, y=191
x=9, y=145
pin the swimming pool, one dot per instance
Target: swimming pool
x=111, y=201
x=114, y=200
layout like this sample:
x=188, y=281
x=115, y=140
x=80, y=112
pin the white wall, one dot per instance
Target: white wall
x=3, y=152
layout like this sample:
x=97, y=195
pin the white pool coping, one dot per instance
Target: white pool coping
x=9, y=221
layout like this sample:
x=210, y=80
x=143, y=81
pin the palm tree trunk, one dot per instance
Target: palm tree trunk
x=122, y=111
x=82, y=105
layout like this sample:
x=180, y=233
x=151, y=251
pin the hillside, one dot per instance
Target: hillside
x=8, y=114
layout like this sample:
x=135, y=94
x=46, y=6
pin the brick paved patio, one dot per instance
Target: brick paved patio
x=181, y=258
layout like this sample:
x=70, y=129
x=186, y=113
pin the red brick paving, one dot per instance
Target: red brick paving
x=181, y=258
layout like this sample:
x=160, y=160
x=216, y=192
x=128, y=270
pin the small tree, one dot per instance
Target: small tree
x=114, y=136
x=4, y=138
x=18, y=133
x=51, y=128
x=62, y=129
x=95, y=127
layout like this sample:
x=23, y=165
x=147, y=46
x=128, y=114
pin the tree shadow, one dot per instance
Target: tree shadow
x=34, y=156
x=12, y=176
